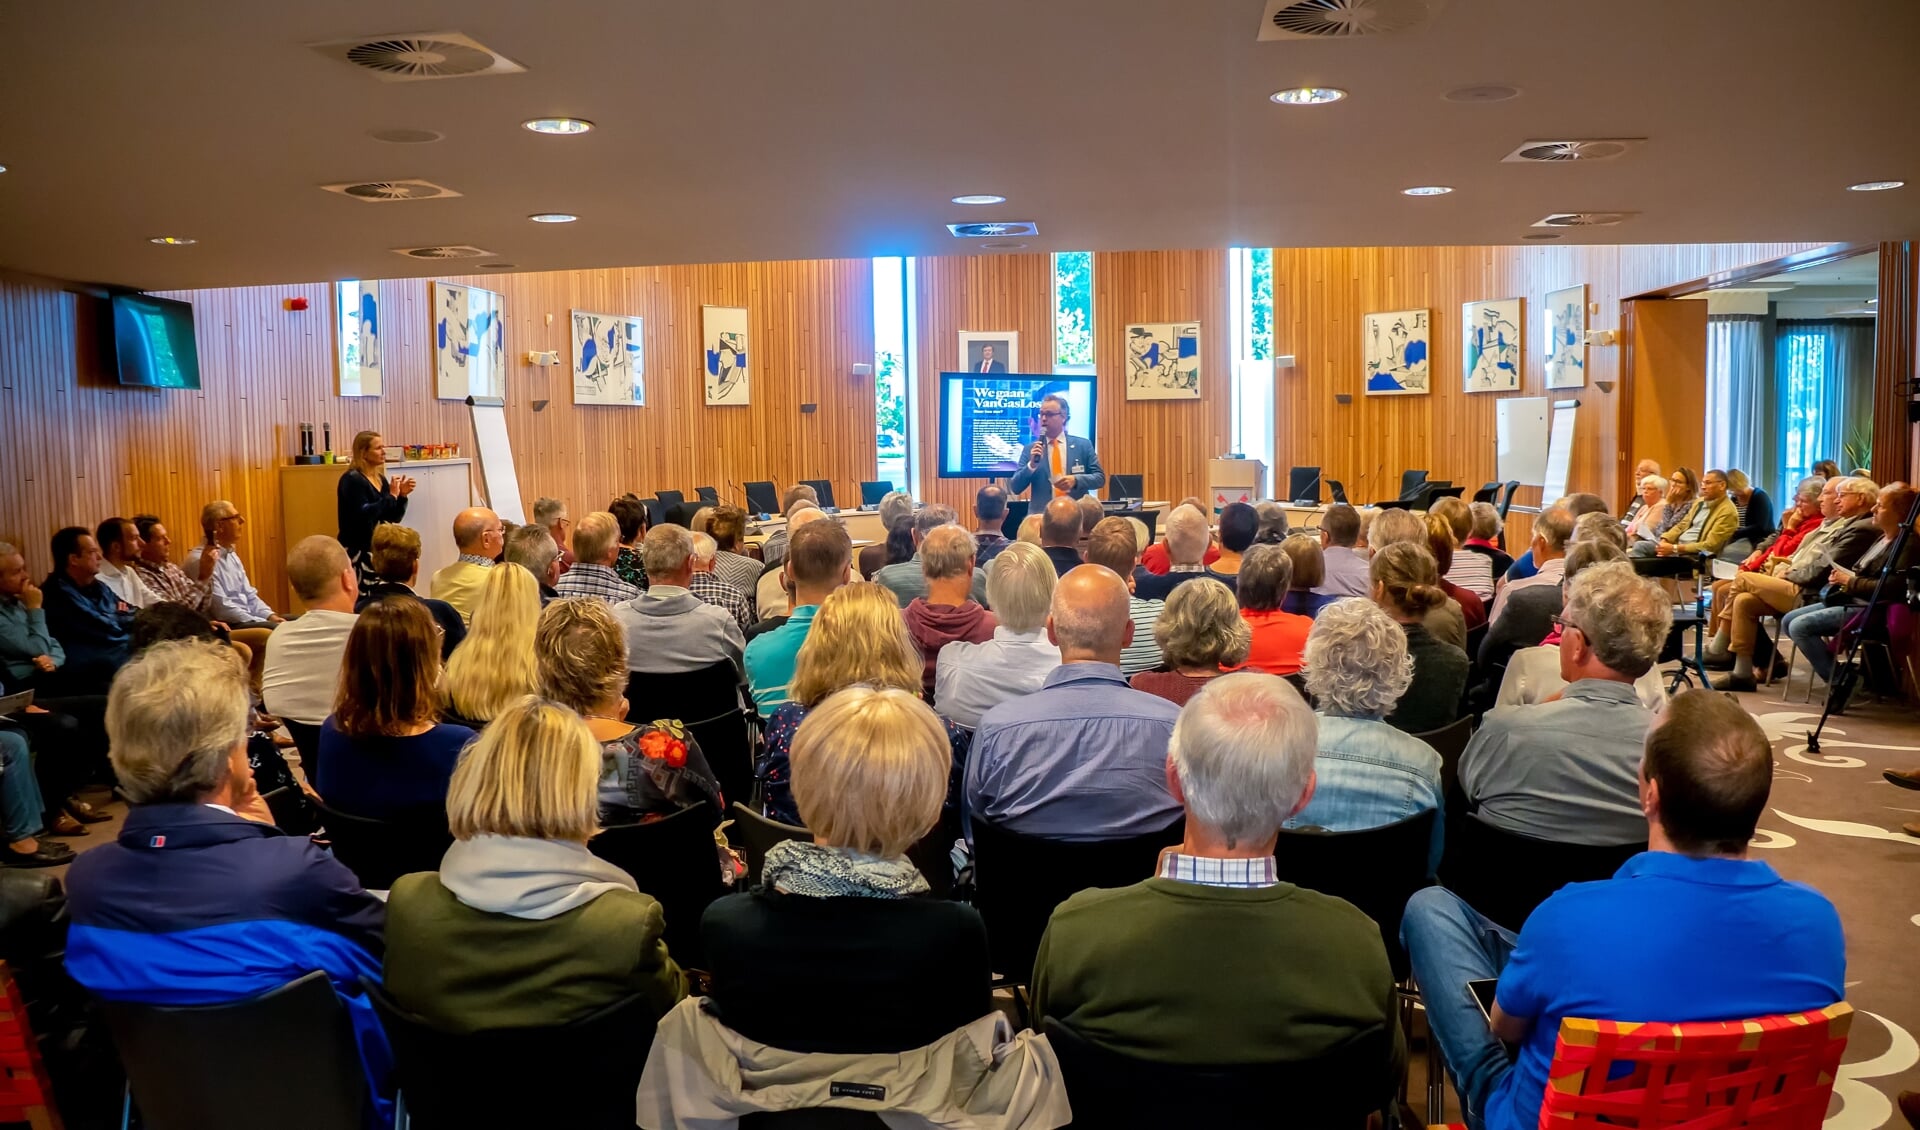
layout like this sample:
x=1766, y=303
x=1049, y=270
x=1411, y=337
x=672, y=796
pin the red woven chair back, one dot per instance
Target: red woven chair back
x=1771, y=1073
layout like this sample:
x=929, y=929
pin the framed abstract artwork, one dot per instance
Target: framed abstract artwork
x=469, y=343
x=1565, y=324
x=723, y=336
x=1163, y=361
x=1394, y=346
x=356, y=317
x=609, y=359
x=1491, y=356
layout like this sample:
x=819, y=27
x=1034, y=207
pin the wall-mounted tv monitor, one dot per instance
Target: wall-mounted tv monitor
x=153, y=342
x=987, y=423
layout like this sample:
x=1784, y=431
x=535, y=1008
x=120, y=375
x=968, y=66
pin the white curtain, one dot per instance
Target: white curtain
x=1825, y=389
x=1741, y=421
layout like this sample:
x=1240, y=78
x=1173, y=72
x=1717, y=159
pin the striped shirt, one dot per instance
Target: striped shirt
x=1246, y=874
x=720, y=594
x=173, y=584
x=595, y=580
x=738, y=570
x=1143, y=654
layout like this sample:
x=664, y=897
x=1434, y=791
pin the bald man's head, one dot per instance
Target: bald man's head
x=477, y=531
x=1090, y=621
x=802, y=516
x=1060, y=523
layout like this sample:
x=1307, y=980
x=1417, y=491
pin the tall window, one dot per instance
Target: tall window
x=1073, y=312
x=1824, y=373
x=1250, y=286
x=890, y=369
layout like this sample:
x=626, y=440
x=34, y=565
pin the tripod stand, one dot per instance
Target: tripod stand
x=1846, y=667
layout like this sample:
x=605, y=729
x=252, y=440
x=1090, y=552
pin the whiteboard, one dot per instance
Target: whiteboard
x=1520, y=440
x=1559, y=452
x=497, y=475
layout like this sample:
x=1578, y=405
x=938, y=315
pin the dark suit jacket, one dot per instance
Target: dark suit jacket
x=1526, y=620
x=1079, y=454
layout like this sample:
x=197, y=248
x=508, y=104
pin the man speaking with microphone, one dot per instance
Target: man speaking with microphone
x=1068, y=463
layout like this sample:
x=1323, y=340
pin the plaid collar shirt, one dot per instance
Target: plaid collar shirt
x=1207, y=871
x=173, y=584
x=596, y=580
x=720, y=594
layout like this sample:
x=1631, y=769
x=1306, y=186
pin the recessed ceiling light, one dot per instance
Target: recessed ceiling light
x=553, y=217
x=557, y=125
x=406, y=136
x=1542, y=235
x=1426, y=190
x=1485, y=92
x=1308, y=95
x=980, y=198
x=1001, y=245
x=1876, y=185
x=173, y=241
x=3, y=168
x=498, y=266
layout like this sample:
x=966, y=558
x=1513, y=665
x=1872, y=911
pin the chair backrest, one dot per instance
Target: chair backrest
x=583, y=1074
x=380, y=851
x=1303, y=483
x=1016, y=513
x=933, y=853
x=1375, y=869
x=1486, y=492
x=306, y=739
x=1339, y=491
x=1126, y=486
x=762, y=497
x=1019, y=879
x=1410, y=481
x=872, y=492
x=708, y=702
x=1476, y=636
x=283, y=1058
x=1507, y=490
x=670, y=497
x=1767, y=1073
x=822, y=488
x=1450, y=741
x=708, y=495
x=676, y=861
x=1340, y=1088
x=1505, y=876
x=755, y=835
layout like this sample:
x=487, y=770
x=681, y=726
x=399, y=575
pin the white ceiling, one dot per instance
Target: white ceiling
x=756, y=129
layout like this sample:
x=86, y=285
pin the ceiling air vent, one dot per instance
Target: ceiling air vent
x=1342, y=19
x=413, y=58
x=1584, y=219
x=383, y=191
x=994, y=230
x=1558, y=152
x=444, y=251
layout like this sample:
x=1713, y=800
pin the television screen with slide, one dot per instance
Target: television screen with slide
x=987, y=423
x=153, y=342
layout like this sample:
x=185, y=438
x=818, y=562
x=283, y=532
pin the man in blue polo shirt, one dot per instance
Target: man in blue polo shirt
x=1689, y=930
x=819, y=557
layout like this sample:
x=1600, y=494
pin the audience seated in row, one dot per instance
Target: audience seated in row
x=896, y=518
x=393, y=564
x=1279, y=638
x=596, y=546
x=730, y=563
x=1239, y=524
x=1183, y=552
x=480, y=537
x=550, y=514
x=668, y=628
x=972, y=678
x=1442, y=543
x=772, y=595
x=495, y=666
x=1706, y=526
x=1158, y=558
x=1575, y=505
x=819, y=560
x=797, y=498
x=1446, y=620
x=946, y=612
x=908, y=580
x=1201, y=636
x=1345, y=567
x=1484, y=539
x=1851, y=586
x=1470, y=571
x=1115, y=543
x=630, y=514
x=708, y=586
x=1552, y=530
x=989, y=515
x=91, y=622
x=301, y=674
x=1406, y=585
x=533, y=549
x=1532, y=674
x=1308, y=559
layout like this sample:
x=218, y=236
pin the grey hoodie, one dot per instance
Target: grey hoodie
x=527, y=878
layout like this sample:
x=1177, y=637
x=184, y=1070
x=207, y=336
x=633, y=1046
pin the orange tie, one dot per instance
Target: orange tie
x=1059, y=466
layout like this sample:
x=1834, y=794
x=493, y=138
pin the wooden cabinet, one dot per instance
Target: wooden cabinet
x=309, y=504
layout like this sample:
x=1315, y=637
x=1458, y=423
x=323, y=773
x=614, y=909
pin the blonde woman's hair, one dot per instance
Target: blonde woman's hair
x=376, y=473
x=870, y=769
x=1029, y=529
x=581, y=653
x=495, y=665
x=1201, y=626
x=174, y=714
x=594, y=535
x=534, y=772
x=856, y=637
x=1737, y=479
x=1459, y=516
x=1020, y=583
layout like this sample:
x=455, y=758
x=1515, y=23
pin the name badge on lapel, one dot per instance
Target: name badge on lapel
x=1079, y=469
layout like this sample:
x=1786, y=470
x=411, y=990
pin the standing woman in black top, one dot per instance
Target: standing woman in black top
x=367, y=497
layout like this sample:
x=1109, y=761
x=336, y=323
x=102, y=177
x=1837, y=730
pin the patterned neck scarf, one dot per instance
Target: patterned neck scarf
x=797, y=867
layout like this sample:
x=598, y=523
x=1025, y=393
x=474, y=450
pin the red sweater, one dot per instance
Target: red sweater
x=1156, y=559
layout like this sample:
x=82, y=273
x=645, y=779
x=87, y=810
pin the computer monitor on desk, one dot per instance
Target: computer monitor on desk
x=1125, y=486
x=872, y=493
x=762, y=498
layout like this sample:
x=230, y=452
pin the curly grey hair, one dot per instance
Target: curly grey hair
x=1625, y=617
x=1201, y=626
x=1357, y=664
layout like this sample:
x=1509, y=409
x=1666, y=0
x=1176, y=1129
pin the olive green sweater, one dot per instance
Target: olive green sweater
x=464, y=970
x=1183, y=973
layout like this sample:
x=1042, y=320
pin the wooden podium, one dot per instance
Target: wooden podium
x=1235, y=480
x=442, y=488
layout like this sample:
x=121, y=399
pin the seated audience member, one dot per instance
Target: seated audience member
x=1116, y=545
x=648, y=770
x=1649, y=944
x=1182, y=968
x=384, y=753
x=1440, y=543
x=1812, y=626
x=522, y=926
x=1396, y=525
x=1846, y=533
x=533, y=549
x=839, y=949
x=301, y=673
x=1447, y=621
x=857, y=639
x=1552, y=530
x=896, y=514
x=989, y=515
x=1576, y=505
x=93, y=625
x=1345, y=567
x=235, y=602
x=631, y=515
x=971, y=678
x=1756, y=516
x=23, y=809
x=495, y=666
x=1201, y=635
x=1598, y=527
x=29, y=653
x=908, y=580
x=1279, y=638
x=1091, y=514
x=1060, y=534
x=1029, y=531
x=819, y=560
x=1827, y=469
x=670, y=630
x=947, y=613
x=1470, y=571
x=120, y=546
x=1185, y=550
x=1158, y=558
x=167, y=580
x=195, y=904
x=1613, y=628
x=1238, y=524
x=394, y=563
x=1309, y=560
x=1361, y=542
x=478, y=534
x=708, y=586
x=1366, y=772
x=1682, y=490
x=596, y=544
x=1797, y=522
x=1705, y=527
x=1083, y=757
x=1485, y=538
x=1643, y=502
x=1406, y=585
x=1644, y=517
x=771, y=594
x=797, y=498
x=1529, y=673
x=550, y=514
x=1272, y=529
x=729, y=531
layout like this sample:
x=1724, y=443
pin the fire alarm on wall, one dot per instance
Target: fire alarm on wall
x=295, y=304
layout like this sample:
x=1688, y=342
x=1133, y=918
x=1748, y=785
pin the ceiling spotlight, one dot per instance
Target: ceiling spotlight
x=980, y=198
x=1426, y=190
x=553, y=217
x=1308, y=95
x=557, y=125
x=3, y=168
x=173, y=241
x=1876, y=185
x=1541, y=235
x=498, y=266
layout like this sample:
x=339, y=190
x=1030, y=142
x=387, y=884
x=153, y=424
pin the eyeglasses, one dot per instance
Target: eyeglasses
x=235, y=518
x=1563, y=624
x=1046, y=412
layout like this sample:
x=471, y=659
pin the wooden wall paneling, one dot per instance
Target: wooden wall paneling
x=1896, y=364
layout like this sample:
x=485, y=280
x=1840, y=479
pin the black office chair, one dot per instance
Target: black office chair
x=670, y=497
x=871, y=492
x=681, y=514
x=283, y=1058
x=1339, y=1088
x=674, y=861
x=1410, y=481
x=1376, y=869
x=1303, y=486
x=1506, y=498
x=306, y=739
x=1017, y=509
x=933, y=853
x=380, y=851
x=1126, y=486
x=1486, y=492
x=1339, y=491
x=754, y=835
x=580, y=1074
x=822, y=489
x=708, y=495
x=1505, y=876
x=710, y=704
x=762, y=497
x=1450, y=742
